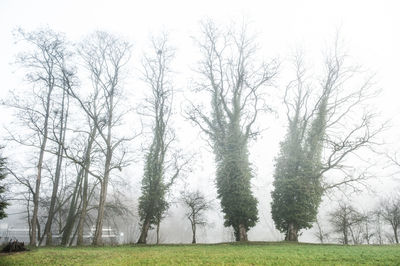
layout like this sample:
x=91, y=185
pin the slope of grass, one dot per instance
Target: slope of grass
x=218, y=254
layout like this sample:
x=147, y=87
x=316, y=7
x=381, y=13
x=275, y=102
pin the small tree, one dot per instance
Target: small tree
x=3, y=174
x=378, y=224
x=390, y=213
x=367, y=223
x=344, y=220
x=195, y=204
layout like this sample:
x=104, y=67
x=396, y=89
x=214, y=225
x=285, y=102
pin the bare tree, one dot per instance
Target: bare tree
x=59, y=127
x=234, y=79
x=379, y=233
x=85, y=183
x=195, y=204
x=390, y=213
x=350, y=126
x=42, y=63
x=345, y=220
x=367, y=222
x=82, y=153
x=105, y=57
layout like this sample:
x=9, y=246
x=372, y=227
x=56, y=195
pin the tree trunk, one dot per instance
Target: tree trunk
x=85, y=199
x=292, y=233
x=345, y=236
x=47, y=229
x=39, y=170
x=29, y=217
x=143, y=234
x=73, y=237
x=354, y=237
x=194, y=233
x=396, y=237
x=36, y=197
x=38, y=229
x=97, y=240
x=49, y=237
x=242, y=233
x=367, y=236
x=82, y=216
x=63, y=126
x=69, y=224
x=158, y=233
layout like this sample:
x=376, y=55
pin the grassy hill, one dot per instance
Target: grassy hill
x=254, y=253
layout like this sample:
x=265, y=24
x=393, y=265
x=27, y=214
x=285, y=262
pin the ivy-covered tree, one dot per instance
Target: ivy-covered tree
x=297, y=184
x=3, y=174
x=155, y=183
x=234, y=77
x=233, y=185
x=324, y=128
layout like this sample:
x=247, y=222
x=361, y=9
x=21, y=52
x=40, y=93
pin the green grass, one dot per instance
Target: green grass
x=219, y=254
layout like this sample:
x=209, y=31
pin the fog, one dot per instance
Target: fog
x=368, y=33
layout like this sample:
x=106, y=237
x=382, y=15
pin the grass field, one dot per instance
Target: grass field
x=218, y=254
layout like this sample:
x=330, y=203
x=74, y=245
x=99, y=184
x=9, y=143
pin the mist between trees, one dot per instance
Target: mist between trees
x=73, y=127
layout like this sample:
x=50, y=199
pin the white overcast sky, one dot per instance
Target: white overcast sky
x=370, y=29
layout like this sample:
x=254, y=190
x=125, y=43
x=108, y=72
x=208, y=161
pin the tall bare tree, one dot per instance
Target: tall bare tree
x=82, y=154
x=105, y=57
x=59, y=127
x=234, y=77
x=85, y=183
x=42, y=63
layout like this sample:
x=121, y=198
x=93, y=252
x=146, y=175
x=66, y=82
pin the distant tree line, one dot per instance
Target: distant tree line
x=352, y=226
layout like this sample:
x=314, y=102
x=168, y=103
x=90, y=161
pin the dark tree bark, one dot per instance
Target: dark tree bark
x=144, y=231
